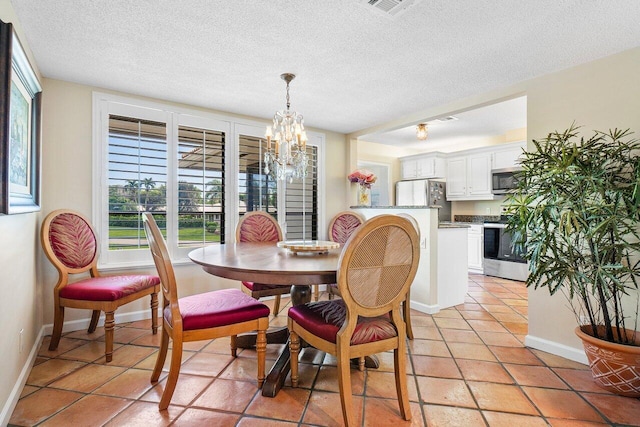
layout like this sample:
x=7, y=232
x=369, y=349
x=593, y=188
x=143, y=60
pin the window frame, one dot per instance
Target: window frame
x=104, y=104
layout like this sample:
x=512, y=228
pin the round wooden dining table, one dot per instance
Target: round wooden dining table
x=265, y=262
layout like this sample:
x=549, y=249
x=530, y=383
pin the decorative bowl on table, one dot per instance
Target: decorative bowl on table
x=308, y=246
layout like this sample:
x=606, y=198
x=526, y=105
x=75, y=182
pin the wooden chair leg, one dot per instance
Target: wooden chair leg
x=154, y=312
x=316, y=292
x=276, y=305
x=174, y=372
x=109, y=326
x=361, y=363
x=95, y=316
x=234, y=345
x=162, y=356
x=261, y=349
x=406, y=311
x=344, y=383
x=294, y=349
x=399, y=361
x=58, y=320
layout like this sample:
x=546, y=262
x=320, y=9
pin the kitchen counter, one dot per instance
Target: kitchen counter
x=453, y=225
x=476, y=219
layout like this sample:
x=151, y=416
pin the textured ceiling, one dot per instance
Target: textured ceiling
x=356, y=67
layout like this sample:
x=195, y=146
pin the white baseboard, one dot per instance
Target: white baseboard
x=425, y=308
x=571, y=353
x=12, y=401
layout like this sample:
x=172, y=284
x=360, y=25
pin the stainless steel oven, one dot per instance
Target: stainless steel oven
x=500, y=260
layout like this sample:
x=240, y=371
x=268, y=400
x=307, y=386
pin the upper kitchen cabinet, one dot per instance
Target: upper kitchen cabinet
x=423, y=166
x=469, y=177
x=506, y=157
x=469, y=172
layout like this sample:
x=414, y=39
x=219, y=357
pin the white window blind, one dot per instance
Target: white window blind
x=201, y=186
x=137, y=176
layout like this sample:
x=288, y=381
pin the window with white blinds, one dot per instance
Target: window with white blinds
x=137, y=176
x=201, y=155
x=258, y=191
x=167, y=163
x=301, y=203
x=175, y=163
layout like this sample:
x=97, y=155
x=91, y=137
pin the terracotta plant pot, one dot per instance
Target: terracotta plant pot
x=615, y=367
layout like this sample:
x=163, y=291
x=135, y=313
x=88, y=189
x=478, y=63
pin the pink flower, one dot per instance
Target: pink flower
x=362, y=177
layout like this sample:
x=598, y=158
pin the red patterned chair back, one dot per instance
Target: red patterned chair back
x=343, y=225
x=69, y=241
x=258, y=226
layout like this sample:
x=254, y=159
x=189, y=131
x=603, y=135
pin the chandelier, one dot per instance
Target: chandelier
x=421, y=131
x=286, y=155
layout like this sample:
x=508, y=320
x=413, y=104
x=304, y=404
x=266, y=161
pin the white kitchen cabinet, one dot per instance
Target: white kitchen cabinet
x=476, y=248
x=469, y=177
x=456, y=177
x=506, y=157
x=423, y=166
x=479, y=175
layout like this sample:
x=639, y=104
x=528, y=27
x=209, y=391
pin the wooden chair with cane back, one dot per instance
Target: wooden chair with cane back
x=206, y=316
x=70, y=243
x=341, y=227
x=375, y=270
x=258, y=226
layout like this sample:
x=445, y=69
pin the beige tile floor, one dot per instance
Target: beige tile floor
x=467, y=367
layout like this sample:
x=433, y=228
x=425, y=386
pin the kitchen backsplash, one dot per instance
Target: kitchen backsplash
x=476, y=218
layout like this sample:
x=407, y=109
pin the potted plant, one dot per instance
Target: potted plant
x=575, y=216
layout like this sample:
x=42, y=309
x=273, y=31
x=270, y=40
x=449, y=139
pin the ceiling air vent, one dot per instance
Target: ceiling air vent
x=446, y=119
x=390, y=7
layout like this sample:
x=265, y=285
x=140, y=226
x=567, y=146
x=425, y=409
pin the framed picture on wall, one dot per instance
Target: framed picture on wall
x=20, y=107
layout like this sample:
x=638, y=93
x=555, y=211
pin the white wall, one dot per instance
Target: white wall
x=21, y=303
x=599, y=95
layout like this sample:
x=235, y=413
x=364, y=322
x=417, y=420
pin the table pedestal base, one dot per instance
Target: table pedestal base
x=300, y=294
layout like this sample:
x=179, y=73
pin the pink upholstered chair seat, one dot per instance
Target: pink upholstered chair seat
x=108, y=288
x=259, y=286
x=325, y=318
x=217, y=308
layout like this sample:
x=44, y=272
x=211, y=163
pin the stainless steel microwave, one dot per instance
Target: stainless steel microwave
x=503, y=180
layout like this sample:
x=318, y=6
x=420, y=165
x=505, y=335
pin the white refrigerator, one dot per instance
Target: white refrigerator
x=424, y=192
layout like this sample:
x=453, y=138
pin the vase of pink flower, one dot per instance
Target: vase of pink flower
x=364, y=179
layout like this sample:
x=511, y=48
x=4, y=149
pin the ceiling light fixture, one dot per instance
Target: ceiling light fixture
x=421, y=131
x=286, y=155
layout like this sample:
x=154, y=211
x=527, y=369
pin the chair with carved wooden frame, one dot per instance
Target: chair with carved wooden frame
x=259, y=226
x=341, y=227
x=210, y=315
x=69, y=241
x=375, y=270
